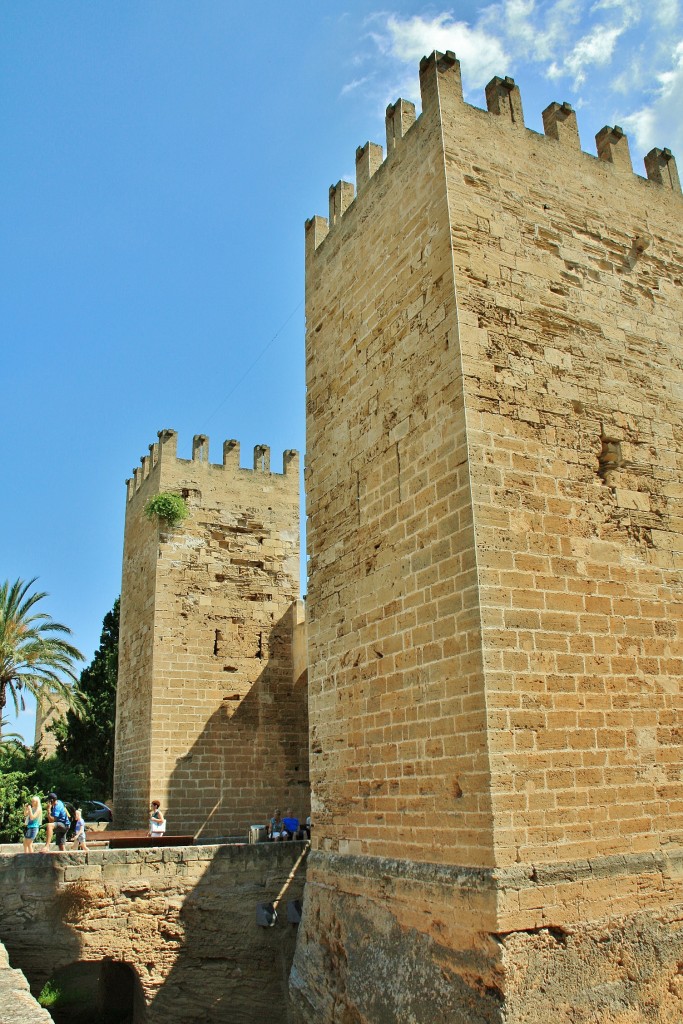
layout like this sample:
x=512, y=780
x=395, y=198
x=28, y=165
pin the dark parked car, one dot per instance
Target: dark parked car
x=93, y=810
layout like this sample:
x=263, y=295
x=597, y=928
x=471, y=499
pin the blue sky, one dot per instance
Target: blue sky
x=159, y=160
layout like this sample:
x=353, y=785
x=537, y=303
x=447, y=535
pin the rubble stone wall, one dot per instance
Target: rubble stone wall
x=184, y=919
x=17, y=1005
x=387, y=941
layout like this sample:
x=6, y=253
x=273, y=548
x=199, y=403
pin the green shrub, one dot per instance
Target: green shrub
x=51, y=995
x=14, y=795
x=170, y=508
x=24, y=773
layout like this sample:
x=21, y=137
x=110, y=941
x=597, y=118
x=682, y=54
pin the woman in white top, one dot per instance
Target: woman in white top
x=157, y=822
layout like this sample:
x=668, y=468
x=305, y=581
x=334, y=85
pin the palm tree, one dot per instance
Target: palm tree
x=7, y=738
x=32, y=659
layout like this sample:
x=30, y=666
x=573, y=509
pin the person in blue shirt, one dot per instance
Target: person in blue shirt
x=58, y=822
x=291, y=826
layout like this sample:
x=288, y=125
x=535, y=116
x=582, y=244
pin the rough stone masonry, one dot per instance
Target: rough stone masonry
x=495, y=456
x=183, y=919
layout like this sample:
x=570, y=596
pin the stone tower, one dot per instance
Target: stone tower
x=495, y=473
x=47, y=712
x=210, y=719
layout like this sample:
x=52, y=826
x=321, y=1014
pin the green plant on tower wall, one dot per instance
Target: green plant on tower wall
x=170, y=508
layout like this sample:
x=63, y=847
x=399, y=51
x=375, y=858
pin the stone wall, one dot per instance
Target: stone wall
x=396, y=680
x=211, y=720
x=183, y=918
x=567, y=271
x=386, y=941
x=496, y=603
x=17, y=1005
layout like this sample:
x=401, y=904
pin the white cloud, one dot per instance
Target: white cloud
x=606, y=51
x=630, y=79
x=534, y=32
x=481, y=53
x=594, y=49
x=658, y=123
x=630, y=9
x=666, y=12
x=355, y=84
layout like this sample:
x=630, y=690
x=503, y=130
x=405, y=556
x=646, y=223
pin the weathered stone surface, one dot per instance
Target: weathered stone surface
x=211, y=719
x=623, y=971
x=17, y=1005
x=383, y=941
x=187, y=926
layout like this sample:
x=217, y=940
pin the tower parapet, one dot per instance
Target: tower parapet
x=163, y=458
x=440, y=81
x=400, y=117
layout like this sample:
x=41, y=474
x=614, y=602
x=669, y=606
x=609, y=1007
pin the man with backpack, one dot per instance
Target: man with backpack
x=58, y=823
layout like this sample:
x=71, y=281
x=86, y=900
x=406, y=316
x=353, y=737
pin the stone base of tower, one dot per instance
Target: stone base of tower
x=394, y=942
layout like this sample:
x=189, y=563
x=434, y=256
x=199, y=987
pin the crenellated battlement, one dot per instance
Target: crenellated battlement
x=440, y=80
x=165, y=451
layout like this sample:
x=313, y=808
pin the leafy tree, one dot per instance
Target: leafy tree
x=15, y=793
x=85, y=738
x=24, y=773
x=32, y=658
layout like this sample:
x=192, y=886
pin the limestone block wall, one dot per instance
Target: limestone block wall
x=568, y=270
x=183, y=919
x=494, y=428
x=398, y=726
x=210, y=719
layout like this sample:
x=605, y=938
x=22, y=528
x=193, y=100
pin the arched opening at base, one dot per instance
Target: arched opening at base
x=94, y=992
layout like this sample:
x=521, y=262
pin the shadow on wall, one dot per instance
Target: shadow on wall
x=37, y=919
x=228, y=967
x=179, y=925
x=252, y=754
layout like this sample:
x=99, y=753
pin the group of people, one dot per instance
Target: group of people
x=280, y=829
x=58, y=824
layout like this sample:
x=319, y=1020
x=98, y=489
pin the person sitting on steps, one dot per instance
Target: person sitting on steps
x=291, y=826
x=58, y=823
x=275, y=828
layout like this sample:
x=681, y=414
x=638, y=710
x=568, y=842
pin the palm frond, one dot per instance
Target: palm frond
x=32, y=658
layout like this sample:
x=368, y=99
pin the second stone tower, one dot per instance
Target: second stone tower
x=211, y=710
